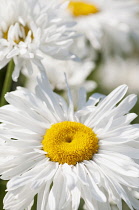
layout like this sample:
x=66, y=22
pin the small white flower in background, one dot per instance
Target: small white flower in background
x=116, y=71
x=111, y=26
x=77, y=73
x=26, y=29
x=64, y=155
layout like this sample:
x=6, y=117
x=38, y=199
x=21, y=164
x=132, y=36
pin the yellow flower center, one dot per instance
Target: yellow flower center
x=22, y=34
x=79, y=8
x=70, y=142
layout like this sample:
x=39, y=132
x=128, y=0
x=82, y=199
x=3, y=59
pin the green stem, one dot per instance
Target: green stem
x=7, y=82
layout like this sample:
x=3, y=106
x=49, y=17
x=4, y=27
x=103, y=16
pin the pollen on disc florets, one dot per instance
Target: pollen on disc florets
x=81, y=8
x=70, y=142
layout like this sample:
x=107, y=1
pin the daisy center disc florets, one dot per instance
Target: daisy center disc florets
x=80, y=8
x=70, y=142
x=19, y=33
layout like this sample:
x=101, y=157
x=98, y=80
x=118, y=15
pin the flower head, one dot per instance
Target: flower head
x=128, y=73
x=110, y=26
x=77, y=73
x=27, y=30
x=64, y=155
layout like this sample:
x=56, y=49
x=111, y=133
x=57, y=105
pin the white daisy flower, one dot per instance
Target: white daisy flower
x=26, y=29
x=77, y=73
x=111, y=26
x=128, y=73
x=65, y=155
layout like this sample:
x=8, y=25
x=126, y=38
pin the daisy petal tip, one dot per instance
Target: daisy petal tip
x=14, y=78
x=124, y=86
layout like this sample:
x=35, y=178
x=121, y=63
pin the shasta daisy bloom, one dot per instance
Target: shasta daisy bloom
x=110, y=25
x=77, y=73
x=128, y=73
x=27, y=30
x=64, y=155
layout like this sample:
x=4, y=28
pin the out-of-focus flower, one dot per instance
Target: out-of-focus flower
x=116, y=71
x=111, y=26
x=76, y=72
x=64, y=155
x=26, y=29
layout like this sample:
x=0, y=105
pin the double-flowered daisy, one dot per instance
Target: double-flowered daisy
x=110, y=25
x=27, y=28
x=63, y=155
